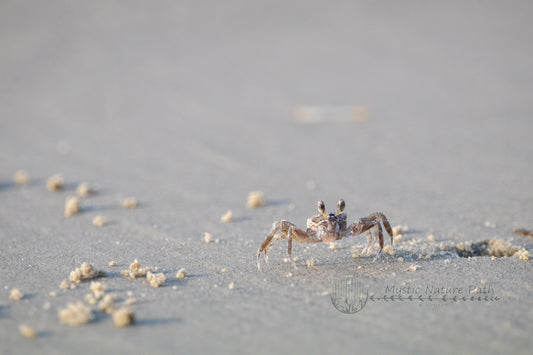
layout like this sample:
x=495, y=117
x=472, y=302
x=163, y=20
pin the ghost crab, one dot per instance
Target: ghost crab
x=327, y=227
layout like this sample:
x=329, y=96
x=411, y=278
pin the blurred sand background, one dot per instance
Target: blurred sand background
x=189, y=105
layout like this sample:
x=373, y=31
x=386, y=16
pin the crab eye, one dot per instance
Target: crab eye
x=340, y=206
x=321, y=207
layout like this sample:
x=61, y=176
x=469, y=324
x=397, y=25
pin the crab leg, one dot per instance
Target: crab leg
x=281, y=230
x=372, y=221
x=371, y=240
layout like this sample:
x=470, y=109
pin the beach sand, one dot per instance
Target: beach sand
x=422, y=112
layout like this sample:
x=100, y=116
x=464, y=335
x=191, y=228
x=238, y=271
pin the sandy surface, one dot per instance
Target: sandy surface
x=188, y=107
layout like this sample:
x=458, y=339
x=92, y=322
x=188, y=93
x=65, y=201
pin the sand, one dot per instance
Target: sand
x=189, y=107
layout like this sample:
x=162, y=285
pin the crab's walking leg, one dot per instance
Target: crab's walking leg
x=371, y=240
x=280, y=230
x=367, y=223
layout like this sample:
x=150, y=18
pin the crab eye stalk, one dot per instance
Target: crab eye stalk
x=321, y=207
x=340, y=206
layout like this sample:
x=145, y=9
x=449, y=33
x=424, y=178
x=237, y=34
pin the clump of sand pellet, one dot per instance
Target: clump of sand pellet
x=227, y=217
x=123, y=317
x=493, y=247
x=84, y=190
x=431, y=238
x=129, y=202
x=156, y=280
x=256, y=199
x=523, y=254
x=333, y=245
x=499, y=248
x=75, y=314
x=21, y=177
x=207, y=237
x=399, y=229
x=98, y=289
x=389, y=250
x=107, y=304
x=310, y=262
x=27, y=331
x=356, y=252
x=63, y=285
x=181, y=274
x=231, y=285
x=98, y=221
x=90, y=299
x=84, y=272
x=130, y=301
x=72, y=206
x=15, y=294
x=135, y=270
x=412, y=268
x=55, y=182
